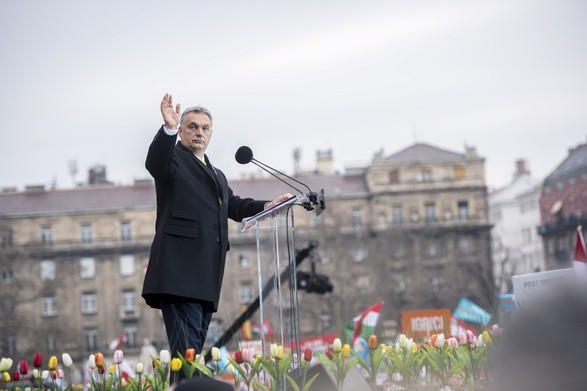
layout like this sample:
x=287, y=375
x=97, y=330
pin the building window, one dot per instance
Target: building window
x=47, y=270
x=430, y=211
x=125, y=230
x=11, y=343
x=360, y=254
x=6, y=275
x=465, y=245
x=85, y=232
x=436, y=283
x=91, y=339
x=463, y=208
x=89, y=303
x=397, y=213
x=399, y=281
x=398, y=250
x=363, y=285
x=432, y=248
x=243, y=261
x=48, y=306
x=132, y=335
x=51, y=343
x=459, y=172
x=393, y=176
x=127, y=265
x=129, y=300
x=87, y=267
x=426, y=175
x=325, y=323
x=245, y=293
x=5, y=237
x=357, y=217
x=47, y=235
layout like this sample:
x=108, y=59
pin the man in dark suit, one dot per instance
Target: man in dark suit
x=194, y=203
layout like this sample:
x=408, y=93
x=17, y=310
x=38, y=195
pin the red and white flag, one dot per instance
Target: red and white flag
x=364, y=324
x=580, y=259
x=116, y=343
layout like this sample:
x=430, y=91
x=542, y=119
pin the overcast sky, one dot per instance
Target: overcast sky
x=82, y=80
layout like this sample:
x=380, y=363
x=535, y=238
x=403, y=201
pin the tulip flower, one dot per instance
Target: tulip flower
x=6, y=377
x=15, y=376
x=45, y=374
x=112, y=369
x=440, y=340
x=337, y=345
x=5, y=364
x=140, y=368
x=92, y=361
x=480, y=341
x=495, y=329
x=280, y=352
x=175, y=364
x=38, y=360
x=453, y=343
x=99, y=359
x=36, y=373
x=216, y=355
x=471, y=337
x=190, y=355
x=53, y=375
x=23, y=367
x=118, y=356
x=164, y=356
x=274, y=350
x=308, y=355
x=373, y=342
x=238, y=357
x=67, y=361
x=101, y=370
x=346, y=350
x=60, y=373
x=463, y=339
x=52, y=364
x=486, y=337
x=329, y=354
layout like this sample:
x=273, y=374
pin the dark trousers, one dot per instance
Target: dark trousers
x=186, y=323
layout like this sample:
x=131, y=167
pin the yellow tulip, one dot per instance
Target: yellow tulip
x=346, y=350
x=6, y=377
x=175, y=364
x=53, y=363
x=486, y=337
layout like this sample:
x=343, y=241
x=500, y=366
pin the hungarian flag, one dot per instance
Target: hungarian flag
x=580, y=259
x=364, y=324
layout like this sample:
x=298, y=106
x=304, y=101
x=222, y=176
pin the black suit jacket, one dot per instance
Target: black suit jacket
x=194, y=203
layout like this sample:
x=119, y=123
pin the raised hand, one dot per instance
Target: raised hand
x=170, y=114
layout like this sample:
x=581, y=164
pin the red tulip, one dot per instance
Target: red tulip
x=101, y=370
x=190, y=355
x=38, y=360
x=329, y=354
x=15, y=376
x=238, y=357
x=23, y=367
x=308, y=354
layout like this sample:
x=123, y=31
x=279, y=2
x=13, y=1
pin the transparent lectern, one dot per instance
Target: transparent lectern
x=276, y=268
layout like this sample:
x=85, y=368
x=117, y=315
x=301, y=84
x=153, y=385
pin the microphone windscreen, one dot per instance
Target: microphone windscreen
x=243, y=155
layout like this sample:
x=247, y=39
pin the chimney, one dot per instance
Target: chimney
x=521, y=168
x=97, y=175
x=297, y=154
x=324, y=162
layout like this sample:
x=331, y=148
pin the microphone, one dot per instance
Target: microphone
x=244, y=155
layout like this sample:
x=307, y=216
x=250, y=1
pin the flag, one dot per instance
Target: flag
x=364, y=324
x=470, y=312
x=116, y=343
x=580, y=259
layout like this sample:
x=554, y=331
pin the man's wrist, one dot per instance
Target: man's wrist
x=169, y=131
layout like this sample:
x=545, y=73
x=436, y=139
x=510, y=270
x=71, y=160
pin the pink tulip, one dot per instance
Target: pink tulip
x=118, y=357
x=463, y=339
x=453, y=343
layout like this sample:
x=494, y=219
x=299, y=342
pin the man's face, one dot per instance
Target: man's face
x=195, y=132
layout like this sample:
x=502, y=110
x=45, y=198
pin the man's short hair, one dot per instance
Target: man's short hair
x=195, y=109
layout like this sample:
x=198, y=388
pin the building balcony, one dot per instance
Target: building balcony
x=125, y=313
x=563, y=224
x=77, y=247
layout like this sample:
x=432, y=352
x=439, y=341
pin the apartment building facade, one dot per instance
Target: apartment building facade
x=410, y=229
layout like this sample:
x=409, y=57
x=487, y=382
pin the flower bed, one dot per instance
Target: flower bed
x=455, y=363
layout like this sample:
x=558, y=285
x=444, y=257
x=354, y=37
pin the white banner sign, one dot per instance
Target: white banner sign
x=530, y=286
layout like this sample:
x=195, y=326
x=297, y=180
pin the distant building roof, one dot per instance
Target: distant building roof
x=110, y=197
x=422, y=153
x=574, y=164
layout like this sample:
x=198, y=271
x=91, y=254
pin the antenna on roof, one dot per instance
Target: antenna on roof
x=72, y=169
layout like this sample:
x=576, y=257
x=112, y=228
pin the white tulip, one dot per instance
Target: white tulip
x=67, y=361
x=164, y=356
